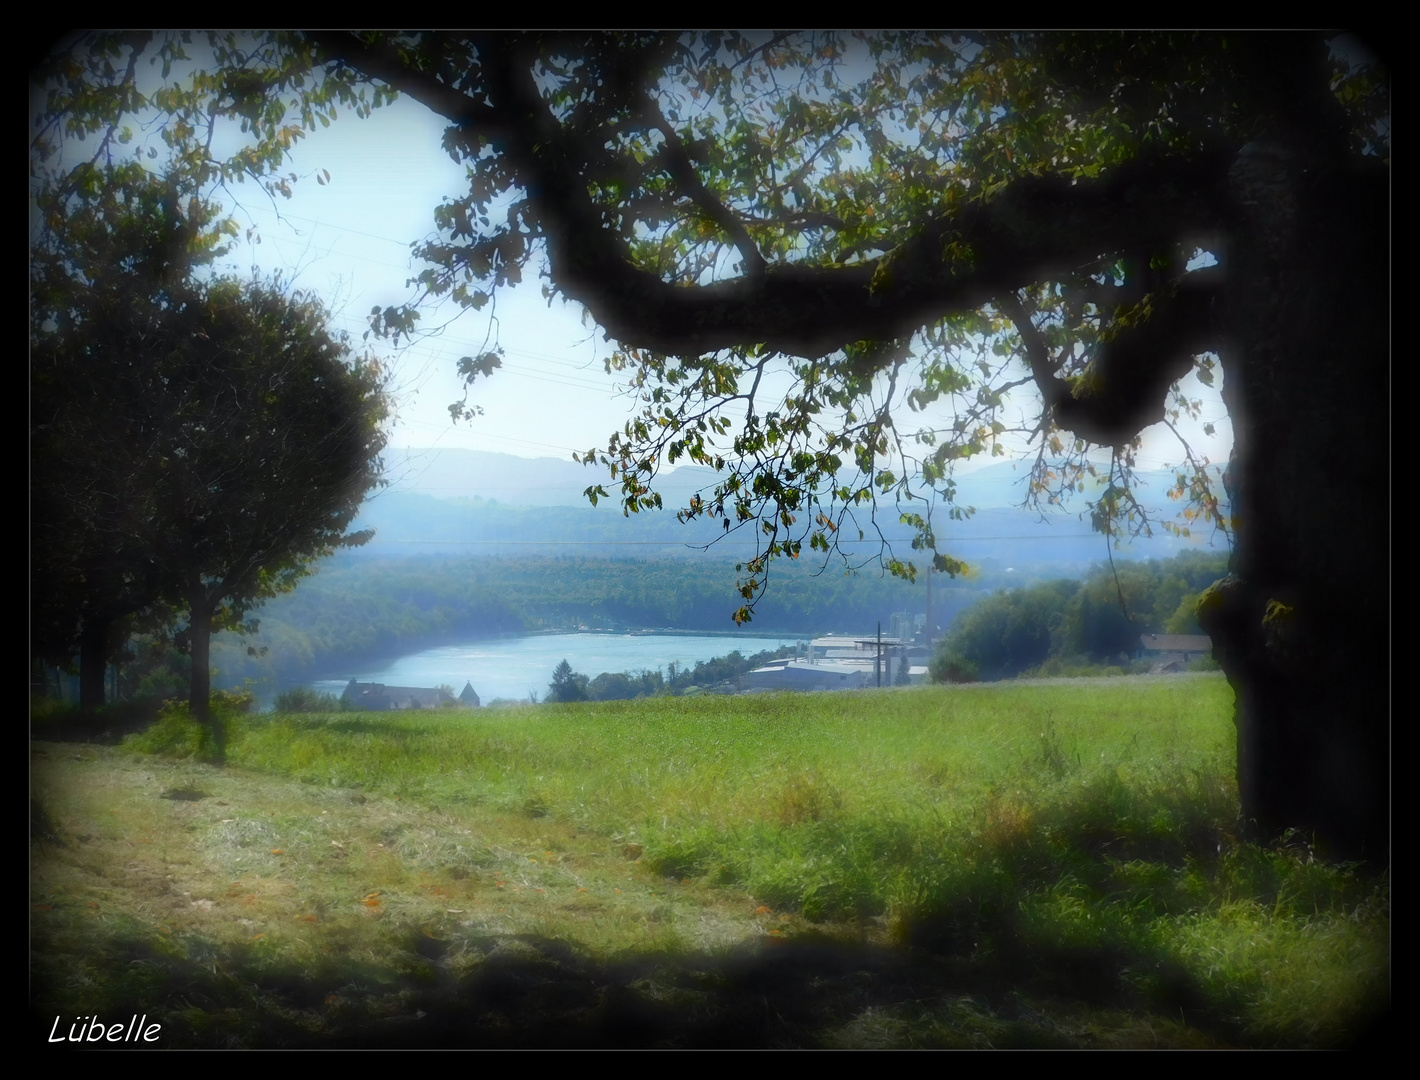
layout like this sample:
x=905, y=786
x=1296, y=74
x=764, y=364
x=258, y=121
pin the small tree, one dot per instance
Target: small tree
x=567, y=685
x=270, y=442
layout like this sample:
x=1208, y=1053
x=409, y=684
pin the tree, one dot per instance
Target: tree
x=611, y=686
x=199, y=444
x=925, y=221
x=1003, y=635
x=271, y=436
x=567, y=685
x=109, y=264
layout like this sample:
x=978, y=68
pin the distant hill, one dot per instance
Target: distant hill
x=450, y=474
x=411, y=524
x=547, y=481
x=475, y=502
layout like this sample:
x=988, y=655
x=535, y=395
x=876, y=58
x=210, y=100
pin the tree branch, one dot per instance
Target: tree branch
x=1124, y=388
x=1042, y=368
x=1030, y=229
x=689, y=181
x=382, y=62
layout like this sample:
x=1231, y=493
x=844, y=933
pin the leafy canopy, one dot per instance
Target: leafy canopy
x=567, y=685
x=834, y=264
x=198, y=443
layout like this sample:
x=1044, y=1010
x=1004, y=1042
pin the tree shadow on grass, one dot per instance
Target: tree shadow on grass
x=531, y=992
x=108, y=727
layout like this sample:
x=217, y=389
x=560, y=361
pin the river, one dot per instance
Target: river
x=512, y=667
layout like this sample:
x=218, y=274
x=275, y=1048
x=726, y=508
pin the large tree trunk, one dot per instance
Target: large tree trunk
x=93, y=665
x=1301, y=626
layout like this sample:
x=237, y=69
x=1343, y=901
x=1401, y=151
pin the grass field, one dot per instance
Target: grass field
x=1008, y=865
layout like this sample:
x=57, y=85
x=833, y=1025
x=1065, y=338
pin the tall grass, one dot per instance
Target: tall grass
x=1077, y=839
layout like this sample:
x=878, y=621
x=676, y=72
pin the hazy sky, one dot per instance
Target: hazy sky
x=349, y=240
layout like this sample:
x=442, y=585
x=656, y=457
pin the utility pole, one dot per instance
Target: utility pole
x=878, y=657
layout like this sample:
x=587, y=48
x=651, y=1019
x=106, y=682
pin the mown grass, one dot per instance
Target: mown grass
x=969, y=866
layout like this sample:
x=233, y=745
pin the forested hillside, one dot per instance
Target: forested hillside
x=362, y=608
x=444, y=568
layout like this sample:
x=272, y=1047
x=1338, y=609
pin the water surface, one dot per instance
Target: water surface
x=512, y=667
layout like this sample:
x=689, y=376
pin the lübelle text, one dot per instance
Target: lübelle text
x=92, y=1029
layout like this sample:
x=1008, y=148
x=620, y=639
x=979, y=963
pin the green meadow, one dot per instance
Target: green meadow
x=1006, y=865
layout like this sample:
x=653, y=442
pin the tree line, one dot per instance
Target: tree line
x=571, y=686
x=1066, y=623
